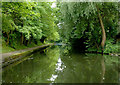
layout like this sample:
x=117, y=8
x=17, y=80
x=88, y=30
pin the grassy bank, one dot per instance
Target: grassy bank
x=110, y=47
x=7, y=48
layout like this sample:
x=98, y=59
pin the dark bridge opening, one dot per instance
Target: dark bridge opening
x=78, y=45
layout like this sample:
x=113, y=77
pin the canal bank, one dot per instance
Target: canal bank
x=11, y=57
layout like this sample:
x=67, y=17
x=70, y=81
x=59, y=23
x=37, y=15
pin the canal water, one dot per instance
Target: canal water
x=57, y=64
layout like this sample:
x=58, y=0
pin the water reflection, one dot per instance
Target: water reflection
x=58, y=65
x=103, y=69
x=90, y=68
x=53, y=78
x=36, y=69
x=59, y=68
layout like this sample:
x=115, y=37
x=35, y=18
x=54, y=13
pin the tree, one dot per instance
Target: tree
x=83, y=20
x=29, y=21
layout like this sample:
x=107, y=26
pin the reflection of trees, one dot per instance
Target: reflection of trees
x=36, y=70
x=103, y=69
x=64, y=50
x=80, y=69
x=111, y=69
x=86, y=69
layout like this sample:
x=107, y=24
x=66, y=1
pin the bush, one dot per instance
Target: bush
x=110, y=47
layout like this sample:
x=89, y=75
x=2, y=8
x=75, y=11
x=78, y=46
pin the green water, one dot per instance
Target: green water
x=57, y=65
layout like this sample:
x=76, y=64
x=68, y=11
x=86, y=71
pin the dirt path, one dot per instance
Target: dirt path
x=5, y=55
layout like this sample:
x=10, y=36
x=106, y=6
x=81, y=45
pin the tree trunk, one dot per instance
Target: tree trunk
x=28, y=42
x=103, y=32
x=7, y=38
x=22, y=37
x=97, y=46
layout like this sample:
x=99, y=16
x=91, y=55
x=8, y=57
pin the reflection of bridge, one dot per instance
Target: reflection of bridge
x=59, y=44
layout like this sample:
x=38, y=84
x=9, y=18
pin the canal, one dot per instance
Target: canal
x=56, y=64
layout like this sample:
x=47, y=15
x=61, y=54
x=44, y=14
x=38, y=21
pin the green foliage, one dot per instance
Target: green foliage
x=80, y=20
x=33, y=22
x=28, y=22
x=7, y=23
x=4, y=47
x=110, y=47
x=109, y=60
